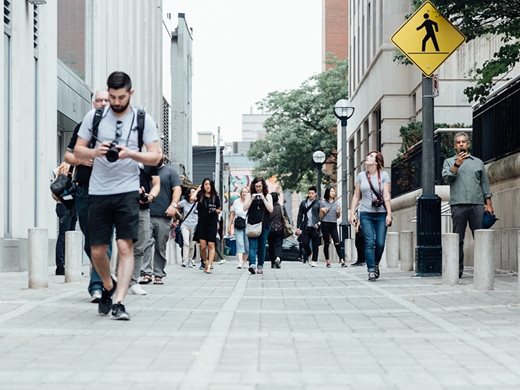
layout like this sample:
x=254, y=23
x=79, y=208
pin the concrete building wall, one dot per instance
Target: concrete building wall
x=253, y=126
x=126, y=35
x=28, y=111
x=181, y=71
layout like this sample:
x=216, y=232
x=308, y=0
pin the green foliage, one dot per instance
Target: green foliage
x=484, y=18
x=302, y=121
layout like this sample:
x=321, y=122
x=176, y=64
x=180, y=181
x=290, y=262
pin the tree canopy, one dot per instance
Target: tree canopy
x=301, y=122
x=481, y=18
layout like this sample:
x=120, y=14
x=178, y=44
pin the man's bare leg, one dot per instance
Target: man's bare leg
x=125, y=268
x=101, y=262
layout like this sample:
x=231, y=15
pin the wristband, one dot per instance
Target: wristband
x=457, y=165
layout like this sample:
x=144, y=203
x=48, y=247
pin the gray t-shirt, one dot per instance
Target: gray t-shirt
x=366, y=192
x=193, y=217
x=331, y=215
x=120, y=176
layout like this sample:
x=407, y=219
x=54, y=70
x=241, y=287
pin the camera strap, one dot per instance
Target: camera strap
x=98, y=115
x=379, y=195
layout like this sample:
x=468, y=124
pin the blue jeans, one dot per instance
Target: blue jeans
x=257, y=247
x=373, y=226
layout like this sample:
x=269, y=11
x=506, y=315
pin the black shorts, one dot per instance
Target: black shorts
x=207, y=231
x=108, y=211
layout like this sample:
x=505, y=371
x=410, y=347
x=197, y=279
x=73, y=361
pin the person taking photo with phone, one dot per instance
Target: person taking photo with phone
x=470, y=194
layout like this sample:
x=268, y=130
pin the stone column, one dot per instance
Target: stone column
x=392, y=250
x=450, y=258
x=406, y=250
x=484, y=272
x=38, y=262
x=73, y=255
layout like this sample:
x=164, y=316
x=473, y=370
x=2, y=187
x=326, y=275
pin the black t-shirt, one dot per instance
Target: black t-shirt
x=204, y=207
x=145, y=180
x=82, y=172
x=258, y=213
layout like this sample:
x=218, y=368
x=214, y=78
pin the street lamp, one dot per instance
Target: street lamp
x=319, y=158
x=343, y=111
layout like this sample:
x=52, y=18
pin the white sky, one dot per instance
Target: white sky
x=244, y=49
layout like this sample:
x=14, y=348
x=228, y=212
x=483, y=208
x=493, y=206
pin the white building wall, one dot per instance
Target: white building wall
x=126, y=35
x=182, y=70
x=378, y=82
x=28, y=137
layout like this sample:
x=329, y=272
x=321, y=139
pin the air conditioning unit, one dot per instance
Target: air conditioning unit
x=37, y=2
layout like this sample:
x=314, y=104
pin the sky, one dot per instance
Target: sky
x=244, y=49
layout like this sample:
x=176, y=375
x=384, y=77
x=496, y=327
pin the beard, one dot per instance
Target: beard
x=118, y=108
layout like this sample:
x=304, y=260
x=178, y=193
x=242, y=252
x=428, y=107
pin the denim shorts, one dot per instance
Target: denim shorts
x=241, y=241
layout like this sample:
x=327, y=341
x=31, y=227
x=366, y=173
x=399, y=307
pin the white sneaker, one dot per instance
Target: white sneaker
x=183, y=264
x=221, y=261
x=191, y=264
x=239, y=265
x=136, y=290
x=313, y=264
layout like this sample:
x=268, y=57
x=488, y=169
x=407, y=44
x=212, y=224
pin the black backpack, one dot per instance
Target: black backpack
x=98, y=115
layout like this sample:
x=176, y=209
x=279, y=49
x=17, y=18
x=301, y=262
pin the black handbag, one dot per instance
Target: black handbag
x=64, y=189
x=240, y=223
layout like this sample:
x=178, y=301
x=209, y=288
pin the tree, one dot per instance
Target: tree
x=301, y=122
x=481, y=18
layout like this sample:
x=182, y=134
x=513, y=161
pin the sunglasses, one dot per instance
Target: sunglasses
x=119, y=130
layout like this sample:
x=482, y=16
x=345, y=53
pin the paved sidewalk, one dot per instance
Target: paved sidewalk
x=293, y=328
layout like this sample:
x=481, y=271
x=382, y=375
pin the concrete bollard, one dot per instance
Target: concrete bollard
x=38, y=262
x=484, y=271
x=518, y=258
x=392, y=250
x=406, y=250
x=450, y=258
x=349, y=253
x=73, y=256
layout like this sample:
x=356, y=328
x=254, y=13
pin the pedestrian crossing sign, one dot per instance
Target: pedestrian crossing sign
x=427, y=38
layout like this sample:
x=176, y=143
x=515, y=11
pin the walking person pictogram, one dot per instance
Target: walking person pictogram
x=429, y=25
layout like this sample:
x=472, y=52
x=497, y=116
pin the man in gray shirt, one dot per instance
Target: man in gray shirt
x=114, y=186
x=469, y=191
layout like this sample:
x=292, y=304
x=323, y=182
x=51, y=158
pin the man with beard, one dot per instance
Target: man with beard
x=114, y=186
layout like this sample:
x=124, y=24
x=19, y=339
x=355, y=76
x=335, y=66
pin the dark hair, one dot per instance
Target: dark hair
x=326, y=196
x=118, y=80
x=212, y=193
x=313, y=188
x=275, y=197
x=379, y=159
x=257, y=179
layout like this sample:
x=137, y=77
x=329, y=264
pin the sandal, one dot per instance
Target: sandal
x=146, y=279
x=207, y=271
x=158, y=280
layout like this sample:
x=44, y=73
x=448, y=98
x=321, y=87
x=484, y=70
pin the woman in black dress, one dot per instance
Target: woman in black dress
x=208, y=207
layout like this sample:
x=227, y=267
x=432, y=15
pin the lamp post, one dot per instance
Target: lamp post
x=343, y=111
x=319, y=158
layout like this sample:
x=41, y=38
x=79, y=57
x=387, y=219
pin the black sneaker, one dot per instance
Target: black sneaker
x=105, y=303
x=377, y=272
x=119, y=312
x=252, y=269
x=372, y=276
x=357, y=264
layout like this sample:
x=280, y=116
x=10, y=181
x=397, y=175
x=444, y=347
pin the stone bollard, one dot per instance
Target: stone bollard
x=73, y=256
x=406, y=250
x=484, y=271
x=450, y=258
x=518, y=257
x=38, y=261
x=392, y=250
x=349, y=252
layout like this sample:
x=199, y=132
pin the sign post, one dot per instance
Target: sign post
x=427, y=39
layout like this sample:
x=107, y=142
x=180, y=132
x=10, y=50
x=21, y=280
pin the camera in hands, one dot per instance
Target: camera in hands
x=113, y=152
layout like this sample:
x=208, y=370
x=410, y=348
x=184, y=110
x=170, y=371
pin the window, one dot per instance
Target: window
x=6, y=183
x=378, y=123
x=7, y=16
x=36, y=27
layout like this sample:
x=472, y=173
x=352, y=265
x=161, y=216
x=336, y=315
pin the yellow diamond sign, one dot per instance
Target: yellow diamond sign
x=427, y=38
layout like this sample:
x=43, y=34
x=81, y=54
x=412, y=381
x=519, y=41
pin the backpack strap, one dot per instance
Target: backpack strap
x=141, y=114
x=98, y=115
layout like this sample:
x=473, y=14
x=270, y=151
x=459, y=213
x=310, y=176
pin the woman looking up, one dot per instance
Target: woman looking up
x=372, y=189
